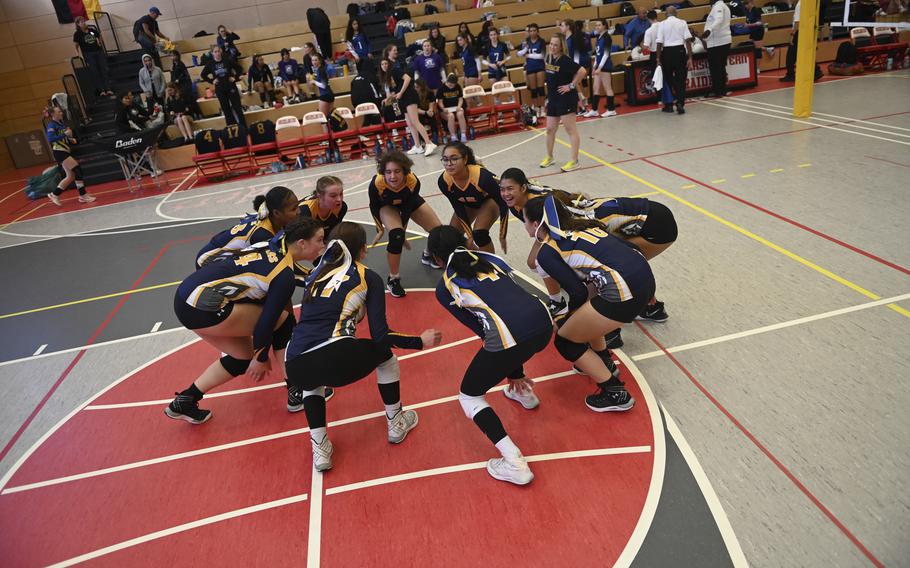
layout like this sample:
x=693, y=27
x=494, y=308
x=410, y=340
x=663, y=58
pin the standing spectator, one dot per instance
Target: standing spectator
x=399, y=88
x=146, y=33
x=365, y=89
x=602, y=77
x=465, y=32
x=61, y=139
x=429, y=67
x=650, y=42
x=718, y=37
x=534, y=49
x=391, y=53
x=177, y=110
x=439, y=44
x=790, y=75
x=151, y=81
x=563, y=77
x=224, y=73
x=674, y=51
x=226, y=39
x=90, y=47
x=259, y=79
x=357, y=43
x=287, y=70
x=321, y=81
x=635, y=29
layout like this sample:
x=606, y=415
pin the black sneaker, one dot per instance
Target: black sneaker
x=787, y=79
x=185, y=407
x=295, y=398
x=614, y=339
x=427, y=259
x=613, y=398
x=654, y=312
x=558, y=307
x=395, y=287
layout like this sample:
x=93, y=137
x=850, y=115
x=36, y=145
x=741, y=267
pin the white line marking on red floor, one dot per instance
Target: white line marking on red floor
x=314, y=539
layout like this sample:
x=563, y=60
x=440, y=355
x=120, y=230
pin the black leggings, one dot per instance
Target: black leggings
x=231, y=106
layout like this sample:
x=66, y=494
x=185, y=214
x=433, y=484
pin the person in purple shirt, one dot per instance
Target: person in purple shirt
x=430, y=68
x=287, y=70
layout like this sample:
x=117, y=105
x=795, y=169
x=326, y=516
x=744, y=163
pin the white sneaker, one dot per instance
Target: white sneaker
x=513, y=470
x=608, y=113
x=430, y=149
x=524, y=396
x=770, y=50
x=404, y=422
x=322, y=454
x=591, y=114
x=414, y=150
x=54, y=199
x=464, y=139
x=87, y=198
x=453, y=138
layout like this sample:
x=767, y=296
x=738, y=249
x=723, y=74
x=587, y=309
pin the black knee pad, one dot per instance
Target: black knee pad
x=235, y=367
x=540, y=92
x=396, y=241
x=481, y=237
x=282, y=336
x=77, y=171
x=569, y=350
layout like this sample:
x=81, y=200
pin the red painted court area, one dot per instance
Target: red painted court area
x=119, y=470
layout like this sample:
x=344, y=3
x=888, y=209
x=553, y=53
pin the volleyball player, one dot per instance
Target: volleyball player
x=323, y=350
x=60, y=137
x=464, y=48
x=478, y=290
x=394, y=200
x=238, y=305
x=475, y=196
x=274, y=211
x=577, y=252
x=496, y=57
x=563, y=77
x=320, y=80
x=399, y=88
x=603, y=68
x=326, y=203
x=534, y=50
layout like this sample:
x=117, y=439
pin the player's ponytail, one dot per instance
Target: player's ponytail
x=348, y=240
x=447, y=243
x=271, y=201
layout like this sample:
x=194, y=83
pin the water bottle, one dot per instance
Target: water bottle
x=890, y=63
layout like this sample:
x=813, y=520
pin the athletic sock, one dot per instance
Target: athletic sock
x=194, y=392
x=317, y=435
x=595, y=102
x=490, y=424
x=58, y=191
x=507, y=448
x=392, y=409
x=611, y=102
x=556, y=297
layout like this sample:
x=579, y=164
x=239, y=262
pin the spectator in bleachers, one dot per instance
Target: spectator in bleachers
x=718, y=37
x=181, y=76
x=756, y=29
x=602, y=78
x=321, y=81
x=133, y=117
x=177, y=110
x=496, y=56
x=365, y=89
x=470, y=63
x=226, y=39
x=305, y=71
x=429, y=67
x=358, y=44
x=790, y=74
x=465, y=31
x=563, y=78
x=288, y=71
x=260, y=79
x=90, y=48
x=439, y=44
x=146, y=33
x=635, y=29
x=534, y=50
x=391, y=54
x=224, y=73
x=451, y=105
x=399, y=88
x=578, y=44
x=151, y=81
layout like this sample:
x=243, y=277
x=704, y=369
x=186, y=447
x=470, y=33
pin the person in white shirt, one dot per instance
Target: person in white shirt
x=790, y=75
x=718, y=37
x=650, y=42
x=674, y=51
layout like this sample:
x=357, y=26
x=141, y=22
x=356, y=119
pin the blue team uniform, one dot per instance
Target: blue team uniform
x=361, y=45
x=249, y=231
x=623, y=216
x=602, y=49
x=469, y=63
x=482, y=185
x=580, y=54
x=496, y=54
x=538, y=47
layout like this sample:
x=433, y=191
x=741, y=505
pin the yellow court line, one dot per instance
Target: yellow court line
x=95, y=299
x=747, y=176
x=721, y=180
x=687, y=186
x=803, y=165
x=23, y=216
x=743, y=231
x=776, y=170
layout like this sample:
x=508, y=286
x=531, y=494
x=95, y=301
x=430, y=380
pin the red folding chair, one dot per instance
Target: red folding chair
x=507, y=112
x=371, y=136
x=317, y=141
x=208, y=154
x=478, y=117
x=345, y=141
x=236, y=152
x=289, y=137
x=263, y=143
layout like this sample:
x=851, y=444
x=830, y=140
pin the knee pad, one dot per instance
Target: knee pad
x=396, y=241
x=540, y=271
x=541, y=92
x=472, y=404
x=235, y=367
x=481, y=237
x=77, y=171
x=388, y=371
x=569, y=350
x=282, y=336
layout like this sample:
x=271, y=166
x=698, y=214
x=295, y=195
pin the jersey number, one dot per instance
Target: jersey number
x=254, y=256
x=590, y=235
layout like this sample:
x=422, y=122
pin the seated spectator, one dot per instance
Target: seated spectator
x=451, y=105
x=226, y=39
x=151, y=80
x=365, y=89
x=846, y=62
x=305, y=72
x=146, y=33
x=177, y=110
x=756, y=29
x=288, y=71
x=180, y=76
x=635, y=29
x=134, y=117
x=259, y=78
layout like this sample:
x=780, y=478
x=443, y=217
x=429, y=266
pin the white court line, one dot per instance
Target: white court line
x=773, y=327
x=241, y=443
x=156, y=327
x=480, y=465
x=263, y=387
x=119, y=230
x=40, y=350
x=314, y=539
x=814, y=113
x=789, y=113
x=717, y=510
x=798, y=121
x=163, y=201
x=181, y=528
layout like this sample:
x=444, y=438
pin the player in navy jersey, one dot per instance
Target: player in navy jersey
x=646, y=224
x=534, y=50
x=240, y=306
x=60, y=137
x=464, y=49
x=274, y=210
x=603, y=67
x=477, y=288
x=496, y=57
x=474, y=194
x=320, y=80
x=578, y=47
x=563, y=78
x=326, y=204
x=394, y=200
x=324, y=351
x=578, y=252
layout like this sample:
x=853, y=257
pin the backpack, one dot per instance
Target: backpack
x=626, y=9
x=137, y=29
x=336, y=122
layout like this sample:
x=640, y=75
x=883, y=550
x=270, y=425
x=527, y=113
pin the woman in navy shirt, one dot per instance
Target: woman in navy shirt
x=259, y=79
x=603, y=67
x=321, y=81
x=497, y=55
x=464, y=48
x=563, y=77
x=226, y=39
x=534, y=50
x=578, y=47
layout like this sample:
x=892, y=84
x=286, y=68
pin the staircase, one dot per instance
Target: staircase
x=99, y=165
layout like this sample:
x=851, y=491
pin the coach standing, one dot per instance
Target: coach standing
x=224, y=74
x=674, y=51
x=718, y=37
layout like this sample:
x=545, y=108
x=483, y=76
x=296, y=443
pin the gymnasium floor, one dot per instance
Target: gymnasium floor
x=770, y=428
